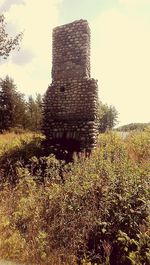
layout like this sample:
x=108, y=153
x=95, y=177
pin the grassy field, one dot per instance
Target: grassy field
x=93, y=211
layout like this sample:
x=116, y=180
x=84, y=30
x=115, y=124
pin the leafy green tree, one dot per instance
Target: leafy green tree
x=108, y=117
x=7, y=43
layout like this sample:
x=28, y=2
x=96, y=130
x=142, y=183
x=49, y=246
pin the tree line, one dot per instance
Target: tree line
x=16, y=111
x=133, y=126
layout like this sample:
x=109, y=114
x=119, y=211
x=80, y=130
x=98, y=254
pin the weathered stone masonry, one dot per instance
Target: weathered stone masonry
x=72, y=98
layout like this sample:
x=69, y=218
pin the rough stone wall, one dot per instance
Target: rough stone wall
x=71, y=100
x=71, y=51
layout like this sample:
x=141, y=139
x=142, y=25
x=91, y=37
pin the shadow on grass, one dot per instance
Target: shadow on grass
x=37, y=157
x=19, y=157
x=24, y=152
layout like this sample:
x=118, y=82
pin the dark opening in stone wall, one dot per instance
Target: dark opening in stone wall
x=62, y=89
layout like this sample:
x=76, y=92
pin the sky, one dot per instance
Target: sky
x=120, y=48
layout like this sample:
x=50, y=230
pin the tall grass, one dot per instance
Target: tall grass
x=92, y=211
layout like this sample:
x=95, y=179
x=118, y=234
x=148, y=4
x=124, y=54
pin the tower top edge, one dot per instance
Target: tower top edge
x=71, y=24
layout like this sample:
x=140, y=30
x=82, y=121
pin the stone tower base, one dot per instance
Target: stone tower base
x=82, y=135
x=71, y=113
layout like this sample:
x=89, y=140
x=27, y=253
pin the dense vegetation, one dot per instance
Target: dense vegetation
x=92, y=211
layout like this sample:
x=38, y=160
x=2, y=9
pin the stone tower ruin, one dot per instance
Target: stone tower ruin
x=71, y=101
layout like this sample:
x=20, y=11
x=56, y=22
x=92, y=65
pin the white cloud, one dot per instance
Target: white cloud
x=6, y=4
x=25, y=56
x=36, y=19
x=2, y=3
x=121, y=62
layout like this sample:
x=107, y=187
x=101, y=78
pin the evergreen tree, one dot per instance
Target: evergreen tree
x=6, y=103
x=12, y=105
x=20, y=111
x=35, y=112
x=38, y=112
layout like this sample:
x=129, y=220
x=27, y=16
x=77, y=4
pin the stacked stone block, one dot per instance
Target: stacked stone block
x=71, y=51
x=71, y=101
